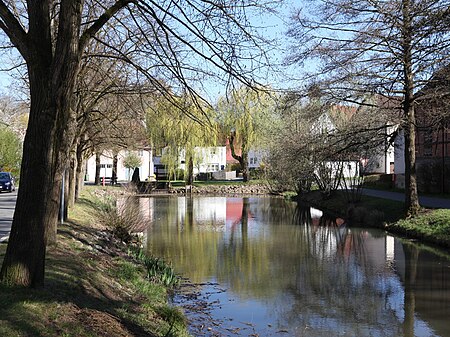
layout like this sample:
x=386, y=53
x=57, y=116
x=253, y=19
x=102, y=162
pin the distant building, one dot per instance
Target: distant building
x=432, y=137
x=206, y=160
x=123, y=173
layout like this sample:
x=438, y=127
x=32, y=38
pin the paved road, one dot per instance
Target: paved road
x=430, y=202
x=7, y=204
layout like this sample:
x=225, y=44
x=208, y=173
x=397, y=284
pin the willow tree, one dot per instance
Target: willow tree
x=179, y=130
x=390, y=48
x=246, y=116
x=165, y=42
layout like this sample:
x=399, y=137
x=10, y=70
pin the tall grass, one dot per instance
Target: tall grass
x=157, y=269
x=123, y=218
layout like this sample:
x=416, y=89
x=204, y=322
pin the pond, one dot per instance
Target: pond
x=263, y=266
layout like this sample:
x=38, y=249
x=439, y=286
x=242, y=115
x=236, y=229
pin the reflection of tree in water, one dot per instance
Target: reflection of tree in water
x=313, y=273
x=336, y=285
x=411, y=258
x=175, y=236
x=244, y=263
x=302, y=215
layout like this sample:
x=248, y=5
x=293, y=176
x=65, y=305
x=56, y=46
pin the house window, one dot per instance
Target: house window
x=213, y=167
x=428, y=143
x=140, y=153
x=253, y=160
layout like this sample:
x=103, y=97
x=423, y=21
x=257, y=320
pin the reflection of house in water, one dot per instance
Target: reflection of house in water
x=219, y=213
x=234, y=210
x=203, y=211
x=208, y=211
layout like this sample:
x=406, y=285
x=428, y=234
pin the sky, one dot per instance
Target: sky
x=275, y=28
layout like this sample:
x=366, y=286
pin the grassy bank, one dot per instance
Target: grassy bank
x=92, y=288
x=429, y=226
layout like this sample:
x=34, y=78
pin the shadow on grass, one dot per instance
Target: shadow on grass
x=73, y=301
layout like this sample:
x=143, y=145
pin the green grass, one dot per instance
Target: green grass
x=430, y=226
x=87, y=292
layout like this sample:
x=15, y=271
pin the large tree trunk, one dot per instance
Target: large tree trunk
x=242, y=159
x=412, y=206
x=52, y=72
x=24, y=260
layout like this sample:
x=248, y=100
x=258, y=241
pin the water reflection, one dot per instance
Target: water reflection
x=295, y=270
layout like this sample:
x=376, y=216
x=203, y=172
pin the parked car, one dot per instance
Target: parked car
x=7, y=182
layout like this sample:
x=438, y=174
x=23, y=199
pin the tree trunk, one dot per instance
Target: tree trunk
x=52, y=71
x=38, y=200
x=242, y=159
x=97, y=169
x=244, y=166
x=135, y=178
x=412, y=206
x=114, y=170
x=190, y=172
x=79, y=175
x=72, y=178
x=66, y=194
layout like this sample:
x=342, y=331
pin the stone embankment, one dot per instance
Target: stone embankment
x=226, y=189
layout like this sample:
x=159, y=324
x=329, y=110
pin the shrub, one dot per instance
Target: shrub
x=123, y=220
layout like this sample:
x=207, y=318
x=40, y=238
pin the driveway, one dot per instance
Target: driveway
x=425, y=201
x=7, y=205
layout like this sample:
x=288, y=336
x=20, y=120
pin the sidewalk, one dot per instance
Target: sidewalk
x=425, y=201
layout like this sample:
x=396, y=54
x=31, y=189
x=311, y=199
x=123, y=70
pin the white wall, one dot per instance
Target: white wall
x=380, y=161
x=123, y=174
x=208, y=159
x=256, y=158
x=350, y=168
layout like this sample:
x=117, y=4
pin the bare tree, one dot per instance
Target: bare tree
x=166, y=41
x=389, y=48
x=322, y=142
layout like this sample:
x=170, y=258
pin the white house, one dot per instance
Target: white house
x=383, y=160
x=206, y=159
x=256, y=158
x=123, y=173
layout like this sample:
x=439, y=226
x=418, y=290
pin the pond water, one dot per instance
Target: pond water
x=262, y=266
